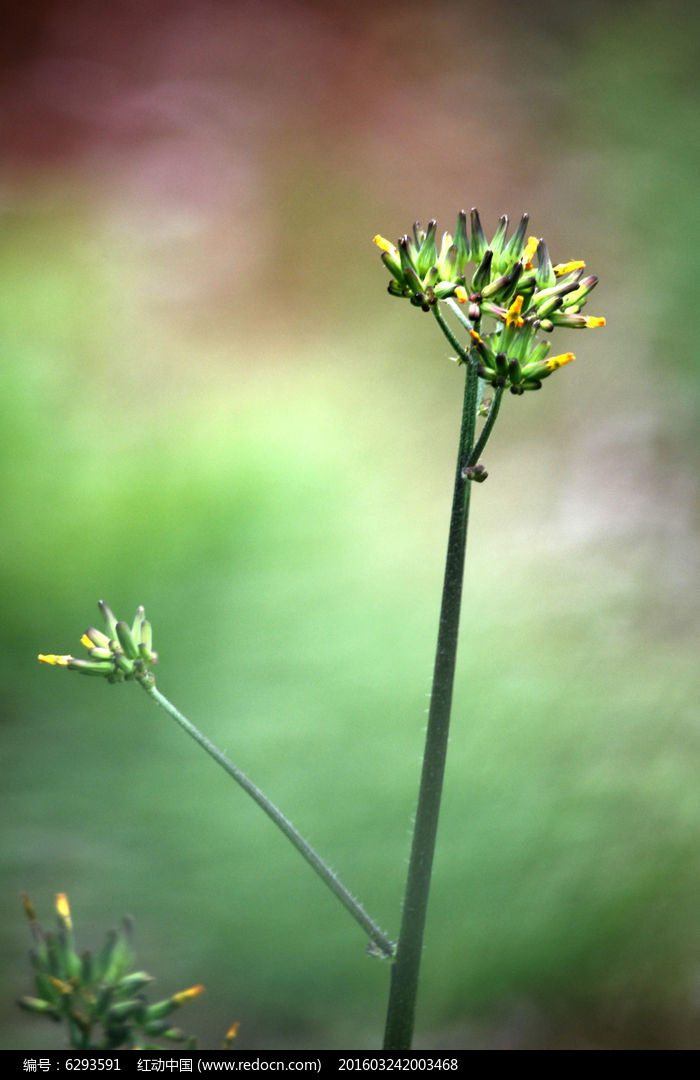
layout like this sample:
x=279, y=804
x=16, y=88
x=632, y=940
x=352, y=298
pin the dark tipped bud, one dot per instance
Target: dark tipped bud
x=545, y=276
x=482, y=274
x=515, y=245
x=499, y=238
x=478, y=245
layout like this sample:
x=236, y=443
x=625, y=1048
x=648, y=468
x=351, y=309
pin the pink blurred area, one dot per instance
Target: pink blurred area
x=221, y=144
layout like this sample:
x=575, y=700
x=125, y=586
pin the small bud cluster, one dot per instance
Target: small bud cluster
x=503, y=284
x=102, y=1003
x=124, y=652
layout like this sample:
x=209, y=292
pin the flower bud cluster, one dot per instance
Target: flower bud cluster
x=103, y=1004
x=498, y=280
x=123, y=653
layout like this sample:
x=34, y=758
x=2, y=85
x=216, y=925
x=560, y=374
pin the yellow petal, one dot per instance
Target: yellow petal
x=231, y=1034
x=555, y=362
x=51, y=658
x=530, y=249
x=595, y=320
x=385, y=245
x=185, y=995
x=567, y=267
x=513, y=316
x=63, y=909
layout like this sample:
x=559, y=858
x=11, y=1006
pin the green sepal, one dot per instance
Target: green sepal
x=126, y=641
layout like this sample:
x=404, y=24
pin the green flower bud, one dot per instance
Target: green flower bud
x=576, y=298
x=109, y=618
x=126, y=641
x=545, y=276
x=123, y=1010
x=515, y=245
x=427, y=254
x=447, y=259
x=131, y=984
x=483, y=273
x=36, y=1005
x=462, y=241
x=479, y=244
x=498, y=242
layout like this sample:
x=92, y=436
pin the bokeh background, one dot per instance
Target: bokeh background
x=210, y=406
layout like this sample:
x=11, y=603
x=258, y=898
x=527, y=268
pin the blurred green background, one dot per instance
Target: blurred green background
x=211, y=406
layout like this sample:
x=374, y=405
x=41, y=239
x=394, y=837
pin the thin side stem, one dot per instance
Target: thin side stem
x=377, y=936
x=459, y=314
x=487, y=428
x=454, y=341
x=406, y=968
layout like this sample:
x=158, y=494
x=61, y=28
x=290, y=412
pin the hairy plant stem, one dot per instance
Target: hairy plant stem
x=379, y=940
x=406, y=968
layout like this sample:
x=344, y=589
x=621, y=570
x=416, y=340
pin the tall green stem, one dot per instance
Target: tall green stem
x=406, y=968
x=379, y=939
